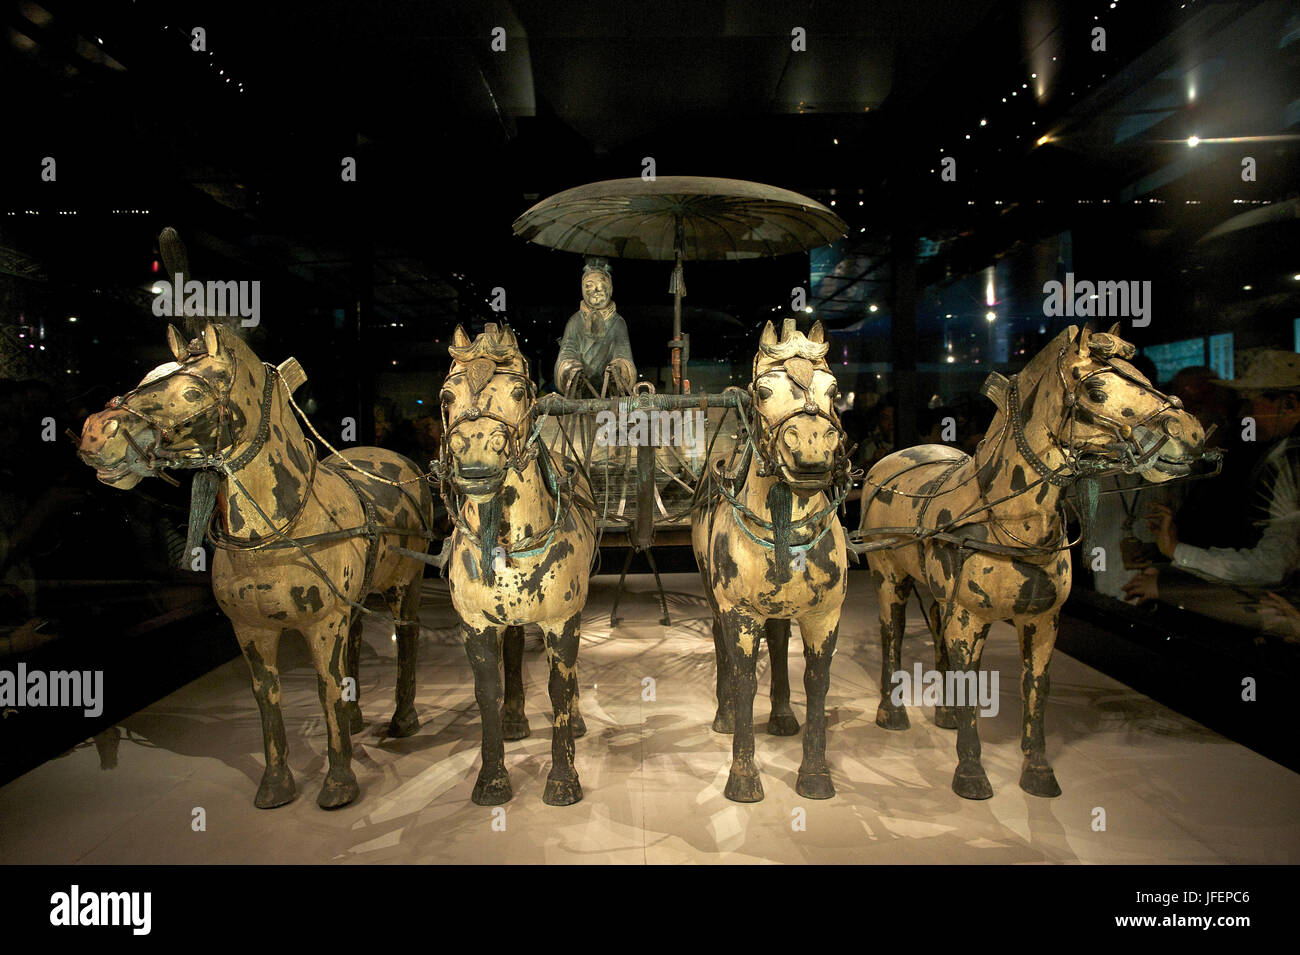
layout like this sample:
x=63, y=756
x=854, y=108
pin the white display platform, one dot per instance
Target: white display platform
x=653, y=772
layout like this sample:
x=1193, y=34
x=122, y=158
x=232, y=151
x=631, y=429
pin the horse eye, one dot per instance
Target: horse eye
x=764, y=392
x=192, y=394
x=518, y=393
x=1097, y=395
x=447, y=397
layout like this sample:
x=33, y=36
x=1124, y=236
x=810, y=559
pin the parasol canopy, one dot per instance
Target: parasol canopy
x=679, y=218
x=700, y=217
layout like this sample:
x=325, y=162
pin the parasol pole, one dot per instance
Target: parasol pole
x=678, y=287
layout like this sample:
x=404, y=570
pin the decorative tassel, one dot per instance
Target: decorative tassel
x=780, y=503
x=203, y=501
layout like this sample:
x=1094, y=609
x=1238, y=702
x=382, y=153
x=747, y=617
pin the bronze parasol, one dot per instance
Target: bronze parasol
x=675, y=218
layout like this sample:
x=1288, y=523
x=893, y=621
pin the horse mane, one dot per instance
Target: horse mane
x=495, y=342
x=774, y=352
x=482, y=358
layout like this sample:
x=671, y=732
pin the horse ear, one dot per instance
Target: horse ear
x=818, y=334
x=1115, y=330
x=210, y=340
x=1085, y=333
x=458, y=338
x=769, y=335
x=788, y=328
x=176, y=342
x=508, y=337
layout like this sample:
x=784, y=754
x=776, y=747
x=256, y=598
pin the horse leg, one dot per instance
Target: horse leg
x=743, y=634
x=944, y=716
x=782, y=722
x=405, y=604
x=356, y=723
x=965, y=636
x=1037, y=639
x=724, y=720
x=514, y=721
x=892, y=588
x=493, y=785
x=261, y=649
x=562, y=785
x=328, y=642
x=819, y=634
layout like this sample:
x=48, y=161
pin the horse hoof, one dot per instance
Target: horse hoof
x=724, y=723
x=562, y=792
x=892, y=717
x=744, y=788
x=971, y=782
x=515, y=729
x=356, y=722
x=403, y=725
x=815, y=785
x=492, y=791
x=579, y=727
x=277, y=789
x=945, y=718
x=782, y=724
x=338, y=791
x=1039, y=780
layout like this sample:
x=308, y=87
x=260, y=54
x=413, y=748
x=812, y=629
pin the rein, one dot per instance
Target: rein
x=156, y=459
x=1118, y=457
x=522, y=453
x=770, y=465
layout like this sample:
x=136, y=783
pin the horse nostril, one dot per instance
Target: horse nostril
x=110, y=429
x=791, y=439
x=459, y=443
x=497, y=442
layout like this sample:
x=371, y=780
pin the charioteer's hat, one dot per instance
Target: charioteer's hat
x=597, y=263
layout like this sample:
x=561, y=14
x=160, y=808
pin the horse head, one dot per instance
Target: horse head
x=487, y=406
x=180, y=415
x=799, y=435
x=1112, y=418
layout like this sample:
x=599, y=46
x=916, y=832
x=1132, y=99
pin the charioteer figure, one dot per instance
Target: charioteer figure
x=595, y=340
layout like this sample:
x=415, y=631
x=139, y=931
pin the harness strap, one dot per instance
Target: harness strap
x=370, y=529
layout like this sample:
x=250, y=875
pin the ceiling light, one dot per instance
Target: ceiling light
x=991, y=315
x=1193, y=141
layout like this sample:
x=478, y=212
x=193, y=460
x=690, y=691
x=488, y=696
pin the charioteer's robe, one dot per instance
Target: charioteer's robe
x=596, y=339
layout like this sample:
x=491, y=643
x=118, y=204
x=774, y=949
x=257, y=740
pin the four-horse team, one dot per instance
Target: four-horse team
x=301, y=542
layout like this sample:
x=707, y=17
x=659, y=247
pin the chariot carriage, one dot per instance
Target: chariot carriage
x=644, y=454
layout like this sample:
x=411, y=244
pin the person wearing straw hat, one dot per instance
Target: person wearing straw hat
x=1272, y=387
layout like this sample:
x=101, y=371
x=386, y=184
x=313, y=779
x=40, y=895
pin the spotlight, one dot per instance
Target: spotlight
x=1193, y=141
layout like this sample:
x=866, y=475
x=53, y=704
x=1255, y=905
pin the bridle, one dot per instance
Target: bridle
x=766, y=449
x=156, y=456
x=760, y=444
x=1120, y=454
x=520, y=450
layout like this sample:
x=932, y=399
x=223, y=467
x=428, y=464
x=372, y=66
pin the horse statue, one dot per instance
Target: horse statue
x=986, y=535
x=298, y=543
x=771, y=549
x=521, y=551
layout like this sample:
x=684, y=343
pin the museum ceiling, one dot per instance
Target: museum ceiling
x=243, y=138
